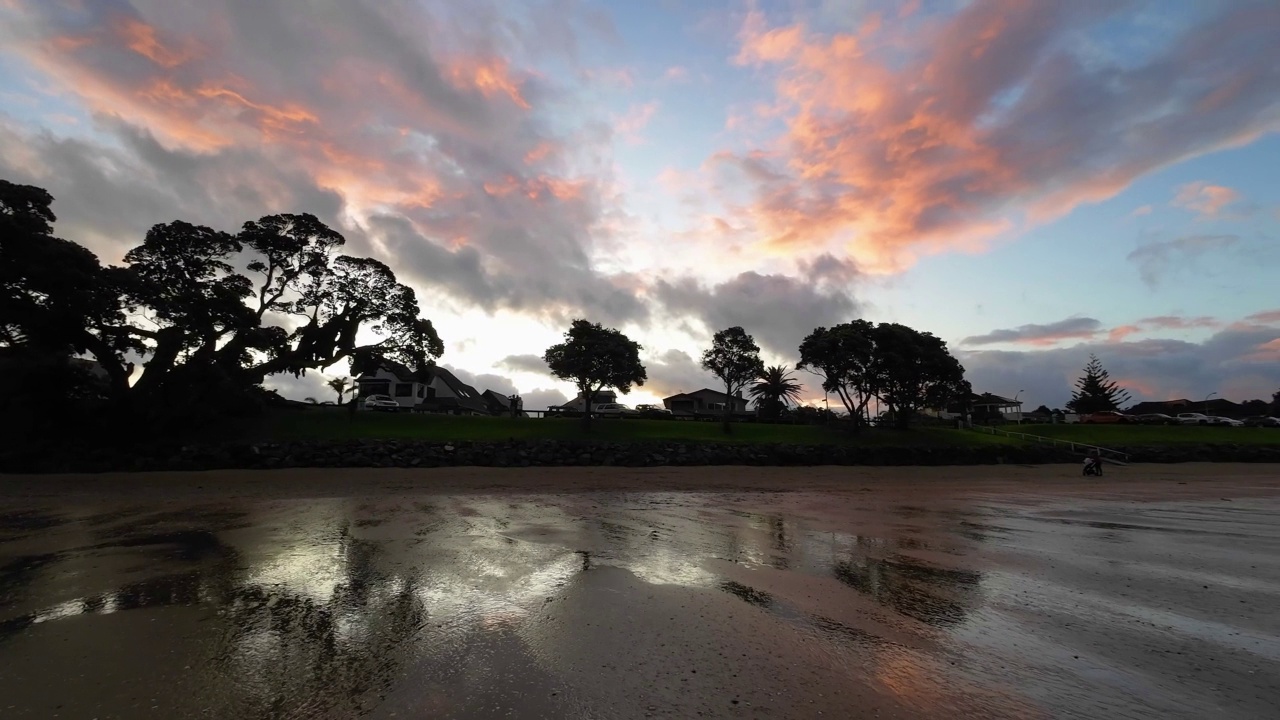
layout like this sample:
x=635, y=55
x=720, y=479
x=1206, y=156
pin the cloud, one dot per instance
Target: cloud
x=631, y=124
x=905, y=137
x=1156, y=259
x=778, y=310
x=1141, y=211
x=1237, y=362
x=1267, y=317
x=524, y=363
x=676, y=371
x=1050, y=334
x=1090, y=329
x=1207, y=201
x=417, y=131
x=541, y=399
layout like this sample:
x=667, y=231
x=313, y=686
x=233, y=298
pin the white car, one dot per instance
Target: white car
x=381, y=402
x=1196, y=419
x=1227, y=421
x=611, y=410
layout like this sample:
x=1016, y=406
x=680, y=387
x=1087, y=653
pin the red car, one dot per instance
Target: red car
x=1106, y=416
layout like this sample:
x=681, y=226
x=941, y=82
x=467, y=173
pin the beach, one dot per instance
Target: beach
x=943, y=592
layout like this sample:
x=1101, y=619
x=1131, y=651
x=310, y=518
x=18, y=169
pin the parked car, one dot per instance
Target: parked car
x=1196, y=419
x=381, y=402
x=1228, y=422
x=1261, y=421
x=1156, y=419
x=1105, y=416
x=612, y=410
x=652, y=411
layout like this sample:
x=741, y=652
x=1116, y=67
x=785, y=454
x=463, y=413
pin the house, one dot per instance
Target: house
x=447, y=394
x=1214, y=406
x=500, y=405
x=434, y=390
x=395, y=380
x=577, y=405
x=983, y=408
x=704, y=402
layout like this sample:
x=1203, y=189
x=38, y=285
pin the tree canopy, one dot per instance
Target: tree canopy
x=774, y=391
x=1096, y=391
x=842, y=356
x=203, y=311
x=914, y=370
x=593, y=358
x=734, y=357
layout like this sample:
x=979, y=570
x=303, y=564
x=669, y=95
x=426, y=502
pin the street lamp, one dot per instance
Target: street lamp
x=1206, y=402
x=1016, y=407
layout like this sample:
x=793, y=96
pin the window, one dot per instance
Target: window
x=404, y=389
x=421, y=391
x=431, y=393
x=375, y=387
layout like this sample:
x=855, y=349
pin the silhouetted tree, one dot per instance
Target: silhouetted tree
x=774, y=390
x=1275, y=403
x=594, y=358
x=734, y=357
x=914, y=370
x=339, y=385
x=1096, y=391
x=842, y=357
x=205, y=331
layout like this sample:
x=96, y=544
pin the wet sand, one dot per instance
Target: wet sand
x=1005, y=592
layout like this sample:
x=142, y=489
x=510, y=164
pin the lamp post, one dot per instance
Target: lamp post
x=1206, y=402
x=1016, y=407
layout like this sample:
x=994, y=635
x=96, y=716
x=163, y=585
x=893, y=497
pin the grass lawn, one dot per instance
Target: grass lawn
x=1130, y=435
x=326, y=423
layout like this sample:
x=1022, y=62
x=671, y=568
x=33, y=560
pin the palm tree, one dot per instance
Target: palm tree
x=339, y=385
x=775, y=390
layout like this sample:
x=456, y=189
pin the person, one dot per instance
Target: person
x=1093, y=464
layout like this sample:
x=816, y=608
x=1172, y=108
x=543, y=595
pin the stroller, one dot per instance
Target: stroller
x=1092, y=465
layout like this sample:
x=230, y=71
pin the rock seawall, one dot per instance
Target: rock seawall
x=561, y=453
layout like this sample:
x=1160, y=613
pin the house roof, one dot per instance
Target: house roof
x=400, y=371
x=991, y=399
x=468, y=397
x=704, y=392
x=496, y=398
x=1182, y=405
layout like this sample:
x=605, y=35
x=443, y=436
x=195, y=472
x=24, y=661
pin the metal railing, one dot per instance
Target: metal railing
x=1070, y=444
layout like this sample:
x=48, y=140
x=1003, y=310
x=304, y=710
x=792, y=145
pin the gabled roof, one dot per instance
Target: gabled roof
x=496, y=398
x=991, y=399
x=703, y=392
x=400, y=371
x=468, y=397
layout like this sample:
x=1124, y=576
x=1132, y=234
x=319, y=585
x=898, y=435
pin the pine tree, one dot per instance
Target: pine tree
x=1096, y=391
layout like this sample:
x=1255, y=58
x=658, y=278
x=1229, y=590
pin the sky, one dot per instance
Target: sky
x=1030, y=180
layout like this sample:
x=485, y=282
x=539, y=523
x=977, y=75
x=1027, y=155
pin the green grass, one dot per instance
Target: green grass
x=335, y=424
x=1133, y=435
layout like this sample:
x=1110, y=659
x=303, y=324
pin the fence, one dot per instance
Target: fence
x=1116, y=455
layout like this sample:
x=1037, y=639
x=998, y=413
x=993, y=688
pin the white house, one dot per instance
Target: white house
x=437, y=390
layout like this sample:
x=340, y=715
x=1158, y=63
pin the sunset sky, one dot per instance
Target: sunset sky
x=1031, y=180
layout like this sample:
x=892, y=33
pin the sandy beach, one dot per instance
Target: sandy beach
x=986, y=592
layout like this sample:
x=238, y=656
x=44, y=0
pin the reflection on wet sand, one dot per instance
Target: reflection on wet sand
x=582, y=605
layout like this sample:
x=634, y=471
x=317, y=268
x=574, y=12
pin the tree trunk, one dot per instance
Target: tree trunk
x=728, y=407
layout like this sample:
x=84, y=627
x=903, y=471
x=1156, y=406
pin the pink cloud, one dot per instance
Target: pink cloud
x=1207, y=201
x=1268, y=317
x=631, y=124
x=1139, y=212
x=676, y=74
x=902, y=139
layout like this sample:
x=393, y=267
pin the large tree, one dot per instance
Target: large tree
x=774, y=390
x=734, y=357
x=593, y=358
x=914, y=370
x=1096, y=391
x=207, y=313
x=842, y=356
